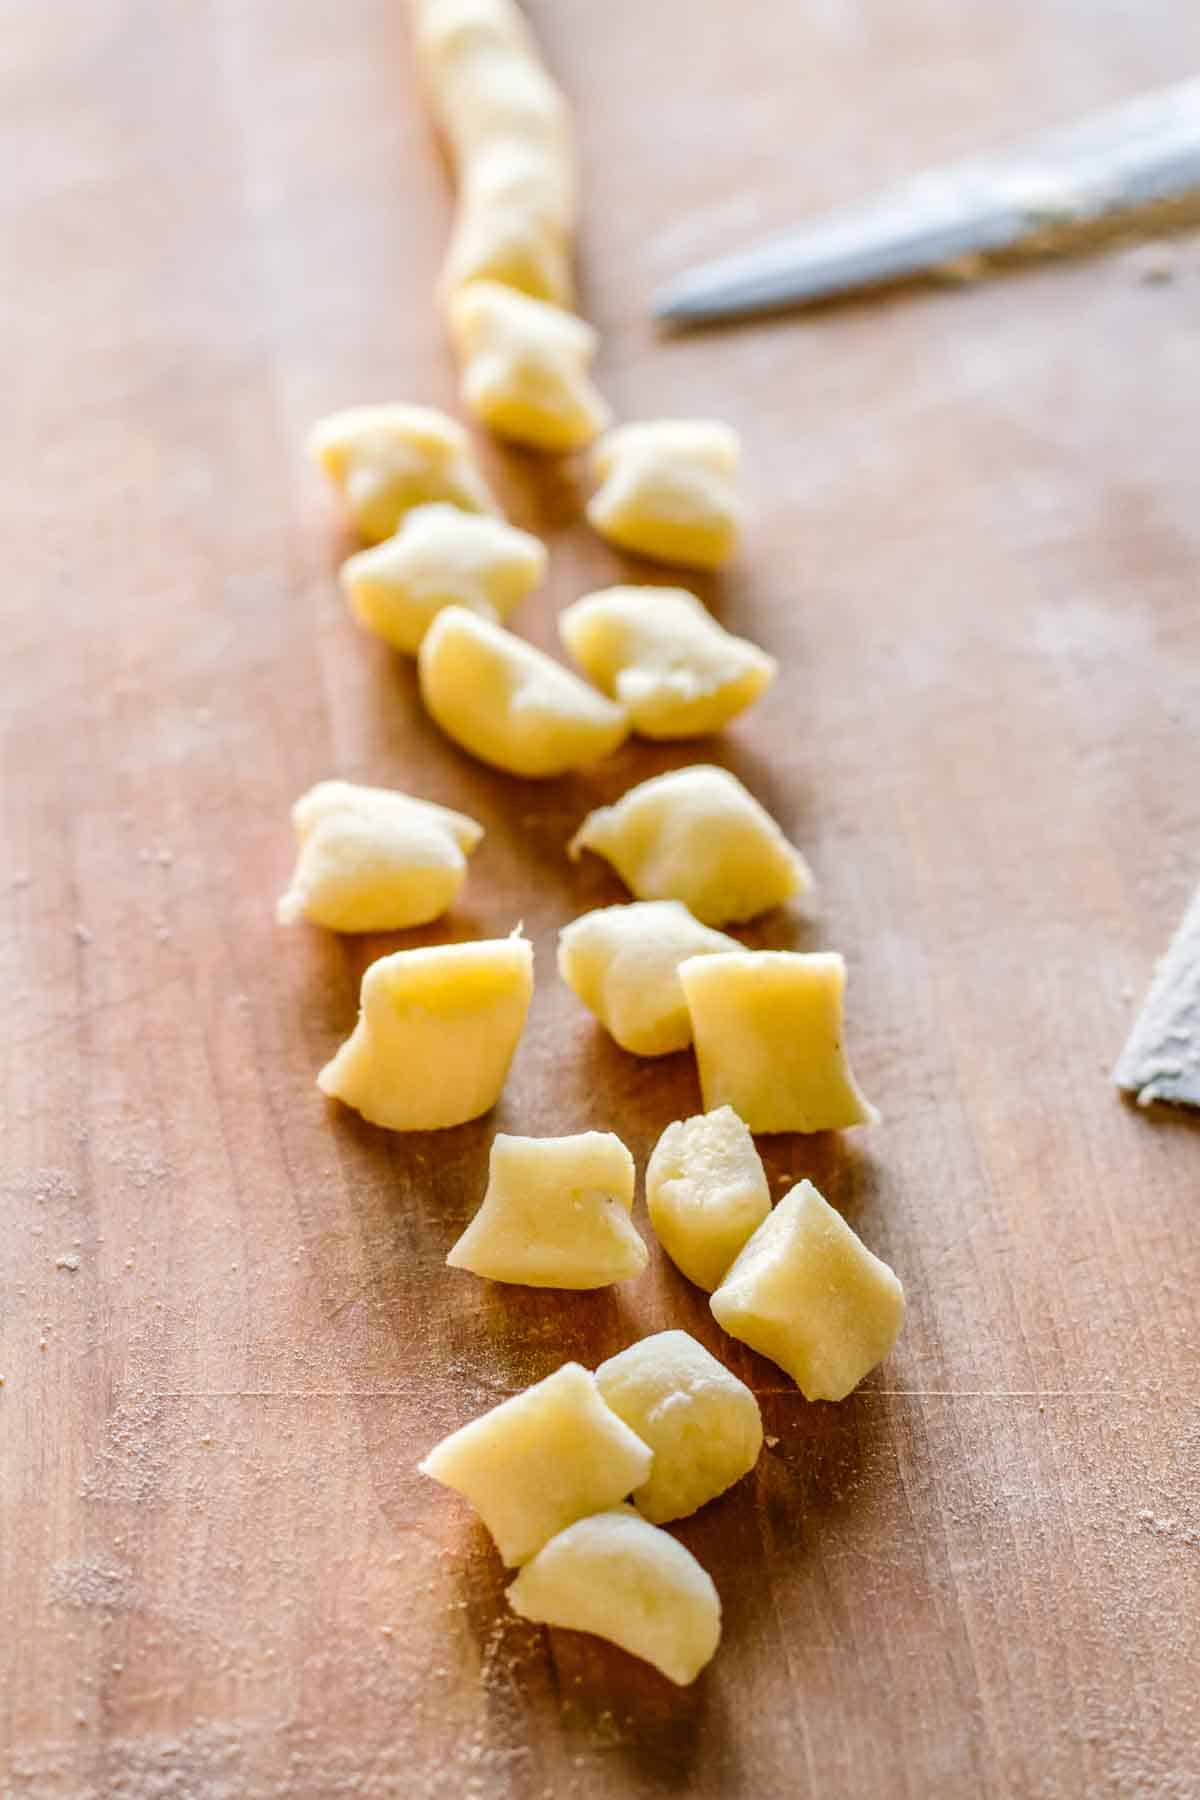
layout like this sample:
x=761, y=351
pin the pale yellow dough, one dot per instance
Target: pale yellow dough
x=664, y=657
x=508, y=703
x=536, y=1463
x=623, y=1579
x=485, y=77
x=508, y=128
x=525, y=367
x=701, y=1422
x=698, y=836
x=556, y=1214
x=375, y=860
x=667, y=490
x=513, y=223
x=388, y=459
x=767, y=1026
x=623, y=963
x=808, y=1293
x=436, y=1032
x=706, y=1193
x=441, y=556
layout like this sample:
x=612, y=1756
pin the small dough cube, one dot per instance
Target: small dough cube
x=668, y=490
x=522, y=177
x=768, y=1031
x=525, y=367
x=536, y=1463
x=388, y=459
x=808, y=1293
x=441, y=556
x=701, y=1422
x=510, y=704
x=706, y=1193
x=556, y=1214
x=623, y=1579
x=515, y=248
x=436, y=1032
x=623, y=962
x=485, y=77
x=698, y=836
x=372, y=859
x=660, y=653
x=448, y=30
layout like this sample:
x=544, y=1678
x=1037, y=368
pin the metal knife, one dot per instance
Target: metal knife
x=1143, y=152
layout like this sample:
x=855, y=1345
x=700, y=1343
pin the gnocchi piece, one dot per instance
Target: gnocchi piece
x=388, y=459
x=485, y=78
x=509, y=245
x=706, y=1193
x=667, y=490
x=436, y=1032
x=767, y=1026
x=508, y=703
x=665, y=658
x=514, y=219
x=623, y=963
x=521, y=176
x=441, y=557
x=623, y=1579
x=534, y=1464
x=698, y=836
x=375, y=860
x=808, y=1293
x=525, y=367
x=556, y=1214
x=701, y=1422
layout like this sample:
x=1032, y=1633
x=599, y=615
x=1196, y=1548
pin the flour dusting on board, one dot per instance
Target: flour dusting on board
x=93, y=1586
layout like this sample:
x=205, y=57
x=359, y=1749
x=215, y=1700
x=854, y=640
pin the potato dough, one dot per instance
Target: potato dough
x=706, y=1193
x=441, y=556
x=436, y=1032
x=623, y=963
x=509, y=245
x=664, y=657
x=623, y=1579
x=508, y=703
x=513, y=225
x=768, y=1031
x=485, y=77
x=808, y=1293
x=667, y=490
x=388, y=459
x=375, y=860
x=536, y=1463
x=525, y=367
x=696, y=835
x=508, y=129
x=556, y=1214
x=701, y=1422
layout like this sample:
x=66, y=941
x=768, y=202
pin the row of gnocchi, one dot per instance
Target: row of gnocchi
x=507, y=290
x=664, y=1425
x=794, y=1283
x=663, y=1422
x=766, y=1024
x=666, y=490
x=442, y=584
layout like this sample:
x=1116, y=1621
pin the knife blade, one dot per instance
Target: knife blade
x=1141, y=153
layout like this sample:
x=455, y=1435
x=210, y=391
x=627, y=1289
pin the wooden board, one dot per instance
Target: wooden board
x=227, y=1332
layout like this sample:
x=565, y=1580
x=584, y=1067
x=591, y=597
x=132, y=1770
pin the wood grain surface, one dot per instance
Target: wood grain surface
x=227, y=1332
